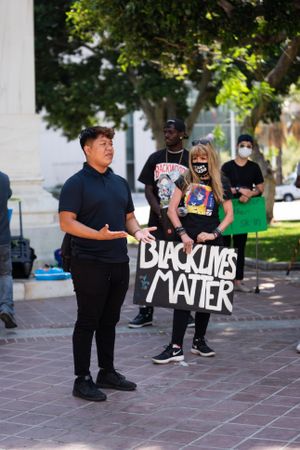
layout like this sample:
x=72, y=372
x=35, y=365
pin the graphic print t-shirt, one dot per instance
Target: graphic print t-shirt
x=162, y=175
x=202, y=208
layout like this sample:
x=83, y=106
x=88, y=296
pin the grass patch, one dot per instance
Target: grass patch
x=275, y=244
x=131, y=240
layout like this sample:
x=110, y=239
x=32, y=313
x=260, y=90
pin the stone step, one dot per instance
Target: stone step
x=31, y=289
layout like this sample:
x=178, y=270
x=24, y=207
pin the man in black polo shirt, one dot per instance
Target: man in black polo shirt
x=247, y=181
x=96, y=208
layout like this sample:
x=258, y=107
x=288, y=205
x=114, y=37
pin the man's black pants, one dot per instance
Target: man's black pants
x=100, y=291
x=239, y=242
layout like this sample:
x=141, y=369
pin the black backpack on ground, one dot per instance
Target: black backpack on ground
x=22, y=255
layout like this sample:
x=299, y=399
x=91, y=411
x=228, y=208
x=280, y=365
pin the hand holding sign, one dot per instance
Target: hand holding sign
x=187, y=243
x=203, y=237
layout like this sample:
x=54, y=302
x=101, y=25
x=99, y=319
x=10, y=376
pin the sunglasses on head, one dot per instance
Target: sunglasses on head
x=200, y=141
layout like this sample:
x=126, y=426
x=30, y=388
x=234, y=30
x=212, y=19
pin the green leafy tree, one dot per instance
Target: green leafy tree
x=82, y=72
x=249, y=48
x=166, y=58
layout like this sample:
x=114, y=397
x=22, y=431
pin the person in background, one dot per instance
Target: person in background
x=246, y=181
x=159, y=174
x=7, y=311
x=202, y=191
x=96, y=209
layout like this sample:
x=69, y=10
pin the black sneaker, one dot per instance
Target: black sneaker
x=201, y=348
x=191, y=322
x=141, y=320
x=8, y=320
x=85, y=388
x=114, y=380
x=168, y=355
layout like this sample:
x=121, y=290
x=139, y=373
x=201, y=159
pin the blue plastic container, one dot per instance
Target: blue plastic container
x=54, y=273
x=9, y=211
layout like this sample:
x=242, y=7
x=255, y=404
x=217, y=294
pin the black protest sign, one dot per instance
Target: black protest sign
x=201, y=281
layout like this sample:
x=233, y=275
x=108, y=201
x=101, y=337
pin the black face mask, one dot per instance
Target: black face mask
x=200, y=168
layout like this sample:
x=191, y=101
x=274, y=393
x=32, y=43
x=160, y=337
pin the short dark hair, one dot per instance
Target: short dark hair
x=93, y=133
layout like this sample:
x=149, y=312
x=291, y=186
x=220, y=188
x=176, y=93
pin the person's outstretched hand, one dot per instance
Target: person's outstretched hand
x=104, y=234
x=145, y=235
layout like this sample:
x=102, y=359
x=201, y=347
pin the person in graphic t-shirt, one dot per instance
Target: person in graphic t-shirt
x=159, y=174
x=202, y=191
x=247, y=181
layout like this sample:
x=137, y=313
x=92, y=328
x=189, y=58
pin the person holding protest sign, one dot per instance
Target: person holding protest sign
x=95, y=208
x=247, y=181
x=202, y=191
x=159, y=173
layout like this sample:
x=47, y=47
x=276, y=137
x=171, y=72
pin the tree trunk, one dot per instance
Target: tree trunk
x=274, y=77
x=279, y=175
x=157, y=113
x=269, y=183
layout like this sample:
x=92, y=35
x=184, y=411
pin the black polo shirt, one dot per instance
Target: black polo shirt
x=98, y=199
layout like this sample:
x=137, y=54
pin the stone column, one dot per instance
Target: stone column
x=19, y=128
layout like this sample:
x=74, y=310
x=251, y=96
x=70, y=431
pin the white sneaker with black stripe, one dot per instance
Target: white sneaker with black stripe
x=170, y=354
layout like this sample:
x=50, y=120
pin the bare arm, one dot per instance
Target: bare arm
x=173, y=216
x=228, y=219
x=133, y=228
x=172, y=208
x=151, y=199
x=69, y=223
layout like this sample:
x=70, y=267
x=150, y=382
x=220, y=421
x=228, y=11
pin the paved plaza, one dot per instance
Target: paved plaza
x=247, y=397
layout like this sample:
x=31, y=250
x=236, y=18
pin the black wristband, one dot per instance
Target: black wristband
x=217, y=233
x=180, y=231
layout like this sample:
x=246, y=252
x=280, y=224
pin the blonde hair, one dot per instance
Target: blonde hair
x=206, y=149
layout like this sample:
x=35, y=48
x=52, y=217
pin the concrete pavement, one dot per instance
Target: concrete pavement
x=247, y=397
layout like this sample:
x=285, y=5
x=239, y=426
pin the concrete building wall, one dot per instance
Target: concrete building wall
x=60, y=158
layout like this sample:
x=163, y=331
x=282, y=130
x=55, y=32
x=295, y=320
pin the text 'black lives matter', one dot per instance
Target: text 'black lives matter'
x=200, y=281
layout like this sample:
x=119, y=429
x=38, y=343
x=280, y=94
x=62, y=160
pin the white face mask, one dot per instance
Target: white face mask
x=244, y=152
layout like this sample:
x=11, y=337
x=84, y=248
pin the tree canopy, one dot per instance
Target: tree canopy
x=117, y=56
x=251, y=47
x=80, y=74
x=166, y=59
